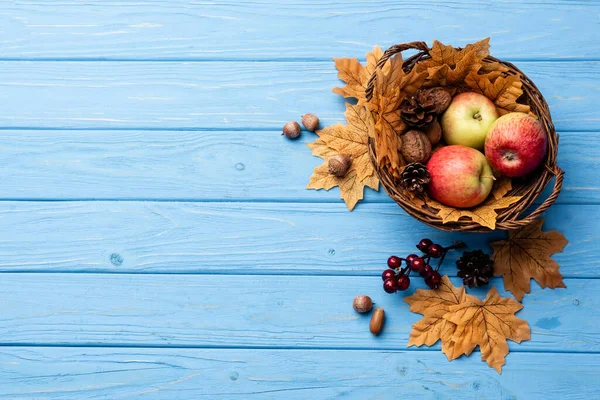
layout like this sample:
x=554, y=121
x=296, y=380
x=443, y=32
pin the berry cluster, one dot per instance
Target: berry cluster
x=397, y=278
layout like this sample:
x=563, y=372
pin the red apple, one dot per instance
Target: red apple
x=460, y=176
x=468, y=120
x=516, y=144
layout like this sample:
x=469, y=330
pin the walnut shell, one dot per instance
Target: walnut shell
x=441, y=99
x=434, y=132
x=416, y=147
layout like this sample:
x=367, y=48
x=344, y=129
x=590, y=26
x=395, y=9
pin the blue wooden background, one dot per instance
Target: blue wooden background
x=156, y=239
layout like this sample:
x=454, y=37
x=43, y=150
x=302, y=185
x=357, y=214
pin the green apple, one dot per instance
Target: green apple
x=468, y=119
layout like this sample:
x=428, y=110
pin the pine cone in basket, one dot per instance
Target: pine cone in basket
x=418, y=110
x=476, y=268
x=415, y=177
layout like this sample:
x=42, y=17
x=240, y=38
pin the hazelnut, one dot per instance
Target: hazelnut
x=416, y=147
x=362, y=304
x=433, y=132
x=292, y=130
x=310, y=122
x=339, y=164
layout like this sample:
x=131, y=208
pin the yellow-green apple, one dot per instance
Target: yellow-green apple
x=516, y=144
x=460, y=176
x=468, y=119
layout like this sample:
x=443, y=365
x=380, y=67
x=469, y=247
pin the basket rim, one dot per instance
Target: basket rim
x=508, y=219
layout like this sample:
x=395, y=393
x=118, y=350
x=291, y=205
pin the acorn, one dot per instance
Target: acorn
x=362, y=304
x=310, y=122
x=339, y=165
x=377, y=320
x=292, y=130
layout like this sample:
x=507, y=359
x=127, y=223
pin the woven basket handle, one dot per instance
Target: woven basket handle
x=398, y=48
x=560, y=176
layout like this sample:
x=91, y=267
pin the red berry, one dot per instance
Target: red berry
x=390, y=286
x=403, y=282
x=388, y=274
x=410, y=258
x=435, y=251
x=426, y=271
x=434, y=280
x=424, y=245
x=394, y=262
x=417, y=264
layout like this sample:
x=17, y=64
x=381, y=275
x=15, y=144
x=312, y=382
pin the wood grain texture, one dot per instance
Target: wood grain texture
x=175, y=29
x=227, y=95
x=255, y=311
x=272, y=238
x=97, y=373
x=205, y=166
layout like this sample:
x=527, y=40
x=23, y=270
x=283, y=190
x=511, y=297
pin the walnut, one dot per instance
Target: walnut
x=416, y=147
x=434, y=132
x=441, y=99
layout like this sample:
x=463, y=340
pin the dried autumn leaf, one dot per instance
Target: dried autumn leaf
x=433, y=305
x=484, y=214
x=392, y=85
x=351, y=140
x=503, y=91
x=448, y=66
x=501, y=187
x=487, y=324
x=526, y=255
x=351, y=187
x=356, y=76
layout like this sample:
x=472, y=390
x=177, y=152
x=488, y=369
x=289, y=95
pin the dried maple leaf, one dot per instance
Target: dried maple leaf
x=351, y=140
x=351, y=187
x=448, y=66
x=503, y=91
x=501, y=187
x=487, y=324
x=356, y=76
x=392, y=85
x=433, y=305
x=525, y=255
x=484, y=214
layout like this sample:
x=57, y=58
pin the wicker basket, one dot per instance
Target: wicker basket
x=529, y=190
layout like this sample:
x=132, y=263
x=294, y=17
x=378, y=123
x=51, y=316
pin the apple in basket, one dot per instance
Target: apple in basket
x=468, y=120
x=460, y=176
x=516, y=144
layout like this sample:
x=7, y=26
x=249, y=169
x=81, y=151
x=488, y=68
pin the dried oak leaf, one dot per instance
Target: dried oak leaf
x=448, y=66
x=487, y=324
x=433, y=305
x=503, y=91
x=351, y=140
x=525, y=255
x=356, y=76
x=484, y=214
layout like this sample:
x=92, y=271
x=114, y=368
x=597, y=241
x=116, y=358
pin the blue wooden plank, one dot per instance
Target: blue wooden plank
x=206, y=166
x=255, y=311
x=246, y=238
x=98, y=373
x=230, y=95
x=176, y=29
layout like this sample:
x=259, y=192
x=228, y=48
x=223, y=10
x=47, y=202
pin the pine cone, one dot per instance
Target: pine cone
x=418, y=110
x=415, y=177
x=476, y=268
